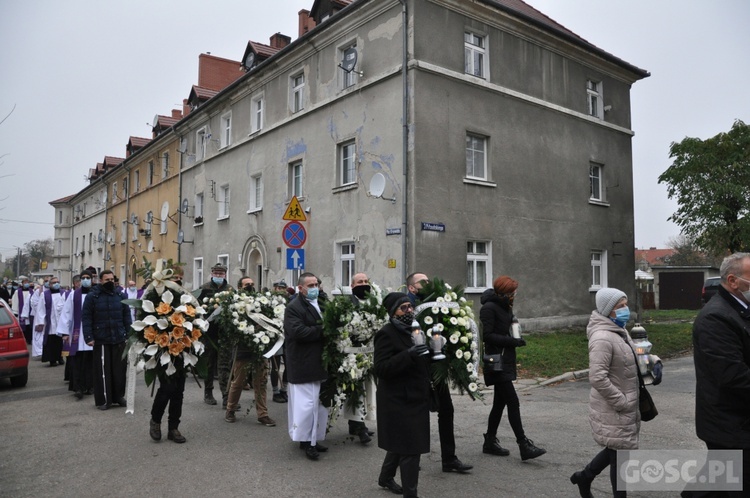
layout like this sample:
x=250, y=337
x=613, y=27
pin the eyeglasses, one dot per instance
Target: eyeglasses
x=406, y=307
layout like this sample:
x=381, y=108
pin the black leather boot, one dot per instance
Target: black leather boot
x=208, y=397
x=528, y=450
x=583, y=483
x=492, y=446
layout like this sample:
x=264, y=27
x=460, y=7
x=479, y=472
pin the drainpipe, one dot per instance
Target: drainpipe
x=179, y=193
x=405, y=137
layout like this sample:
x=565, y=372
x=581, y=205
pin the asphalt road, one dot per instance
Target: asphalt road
x=51, y=444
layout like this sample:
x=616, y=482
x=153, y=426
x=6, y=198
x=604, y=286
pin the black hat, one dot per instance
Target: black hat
x=219, y=267
x=393, y=300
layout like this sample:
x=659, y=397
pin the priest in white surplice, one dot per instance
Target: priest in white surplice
x=80, y=354
x=48, y=310
x=303, y=333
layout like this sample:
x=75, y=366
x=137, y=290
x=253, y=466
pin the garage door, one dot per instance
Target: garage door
x=680, y=290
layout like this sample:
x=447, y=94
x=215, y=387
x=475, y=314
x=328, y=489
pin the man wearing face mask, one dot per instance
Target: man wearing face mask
x=106, y=321
x=133, y=292
x=37, y=339
x=721, y=343
x=360, y=285
x=48, y=310
x=218, y=283
x=20, y=303
x=303, y=333
x=80, y=354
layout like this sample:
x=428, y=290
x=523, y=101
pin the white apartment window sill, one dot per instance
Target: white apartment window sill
x=222, y=218
x=344, y=188
x=597, y=202
x=482, y=183
x=255, y=210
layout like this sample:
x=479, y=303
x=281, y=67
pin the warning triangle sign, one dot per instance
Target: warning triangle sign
x=294, y=211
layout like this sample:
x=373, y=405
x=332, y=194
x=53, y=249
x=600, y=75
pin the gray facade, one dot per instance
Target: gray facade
x=502, y=158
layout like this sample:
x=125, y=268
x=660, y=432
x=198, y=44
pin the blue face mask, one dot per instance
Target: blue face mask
x=312, y=294
x=217, y=280
x=26, y=286
x=622, y=315
x=55, y=286
x=85, y=282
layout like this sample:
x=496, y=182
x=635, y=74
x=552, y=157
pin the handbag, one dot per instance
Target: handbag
x=493, y=362
x=645, y=402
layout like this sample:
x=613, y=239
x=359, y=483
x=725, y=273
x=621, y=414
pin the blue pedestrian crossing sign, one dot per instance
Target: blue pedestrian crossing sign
x=295, y=259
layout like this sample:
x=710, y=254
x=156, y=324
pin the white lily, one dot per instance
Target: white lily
x=189, y=359
x=138, y=325
x=167, y=297
x=188, y=325
x=150, y=364
x=152, y=349
x=162, y=323
x=182, y=308
x=198, y=347
x=164, y=359
x=148, y=306
x=140, y=366
x=171, y=369
x=139, y=346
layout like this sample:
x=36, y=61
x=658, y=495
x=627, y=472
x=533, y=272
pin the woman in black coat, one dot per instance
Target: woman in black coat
x=497, y=318
x=403, y=396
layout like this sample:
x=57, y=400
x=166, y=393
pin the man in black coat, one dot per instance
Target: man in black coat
x=303, y=334
x=401, y=365
x=105, y=321
x=219, y=360
x=721, y=342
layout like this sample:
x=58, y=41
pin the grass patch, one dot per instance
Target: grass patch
x=551, y=354
x=650, y=316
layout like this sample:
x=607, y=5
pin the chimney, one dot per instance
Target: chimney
x=306, y=23
x=176, y=114
x=280, y=41
x=185, y=107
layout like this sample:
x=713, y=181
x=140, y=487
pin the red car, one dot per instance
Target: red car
x=14, y=356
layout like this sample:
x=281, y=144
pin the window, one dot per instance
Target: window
x=165, y=165
x=124, y=188
x=256, y=193
x=295, y=179
x=478, y=265
x=200, y=144
x=298, y=92
x=114, y=192
x=594, y=93
x=598, y=269
x=224, y=260
x=474, y=54
x=59, y=247
x=150, y=174
x=198, y=209
x=91, y=240
x=197, y=272
x=596, y=192
x=59, y=217
x=223, y=202
x=137, y=180
x=350, y=78
x=149, y=222
x=476, y=156
x=346, y=263
x=83, y=244
x=257, y=110
x=226, y=130
x=135, y=227
x=76, y=251
x=347, y=163
x=122, y=277
x=123, y=231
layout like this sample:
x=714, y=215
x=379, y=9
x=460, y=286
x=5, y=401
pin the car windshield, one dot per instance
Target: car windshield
x=5, y=317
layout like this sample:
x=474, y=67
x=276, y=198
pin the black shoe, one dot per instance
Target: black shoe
x=104, y=407
x=154, y=430
x=88, y=392
x=321, y=448
x=364, y=437
x=208, y=398
x=391, y=485
x=122, y=402
x=584, y=484
x=78, y=395
x=278, y=398
x=529, y=451
x=457, y=466
x=369, y=432
x=492, y=446
x=174, y=435
x=284, y=393
x=312, y=453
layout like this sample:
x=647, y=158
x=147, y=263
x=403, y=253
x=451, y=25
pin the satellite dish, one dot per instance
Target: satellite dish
x=377, y=185
x=180, y=237
x=109, y=256
x=155, y=121
x=164, y=211
x=184, y=209
x=132, y=218
x=150, y=246
x=349, y=61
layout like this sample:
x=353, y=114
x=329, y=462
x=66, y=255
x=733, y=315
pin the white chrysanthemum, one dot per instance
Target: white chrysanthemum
x=444, y=310
x=454, y=320
x=454, y=338
x=469, y=366
x=435, y=310
x=455, y=311
x=467, y=356
x=448, y=297
x=428, y=320
x=465, y=340
x=438, y=327
x=440, y=299
x=265, y=339
x=473, y=387
x=459, y=354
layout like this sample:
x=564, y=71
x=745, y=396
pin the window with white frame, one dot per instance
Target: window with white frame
x=150, y=174
x=474, y=51
x=295, y=179
x=197, y=272
x=347, y=163
x=223, y=199
x=256, y=193
x=223, y=259
x=478, y=265
x=201, y=140
x=134, y=232
x=598, y=269
x=59, y=217
x=125, y=188
x=164, y=165
x=350, y=78
x=345, y=256
x=257, y=110
x=198, y=209
x=123, y=231
x=596, y=191
x=226, y=130
x=137, y=180
x=594, y=94
x=298, y=92
x=476, y=156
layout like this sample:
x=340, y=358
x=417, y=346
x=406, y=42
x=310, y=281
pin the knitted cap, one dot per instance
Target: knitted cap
x=607, y=298
x=393, y=300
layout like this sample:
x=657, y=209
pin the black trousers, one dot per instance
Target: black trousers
x=170, y=393
x=606, y=457
x=83, y=371
x=212, y=356
x=505, y=395
x=445, y=423
x=409, y=466
x=109, y=373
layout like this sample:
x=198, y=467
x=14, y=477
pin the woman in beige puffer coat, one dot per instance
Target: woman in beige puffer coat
x=613, y=400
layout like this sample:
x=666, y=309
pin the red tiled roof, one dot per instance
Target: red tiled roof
x=201, y=93
x=264, y=51
x=138, y=141
x=62, y=200
x=653, y=256
x=165, y=121
x=111, y=162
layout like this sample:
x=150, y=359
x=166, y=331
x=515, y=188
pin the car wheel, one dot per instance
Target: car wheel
x=21, y=380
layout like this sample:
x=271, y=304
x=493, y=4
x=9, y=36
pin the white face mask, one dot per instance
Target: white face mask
x=745, y=294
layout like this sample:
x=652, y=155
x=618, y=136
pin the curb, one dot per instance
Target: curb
x=567, y=376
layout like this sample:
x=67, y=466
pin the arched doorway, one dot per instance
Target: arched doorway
x=254, y=258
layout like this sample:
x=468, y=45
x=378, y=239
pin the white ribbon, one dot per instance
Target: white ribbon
x=275, y=348
x=160, y=280
x=360, y=349
x=130, y=381
x=434, y=304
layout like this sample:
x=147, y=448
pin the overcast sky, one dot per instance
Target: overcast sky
x=85, y=75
